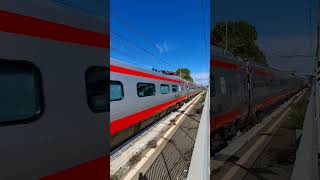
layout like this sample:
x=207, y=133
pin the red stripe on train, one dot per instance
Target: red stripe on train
x=271, y=100
x=125, y=122
x=225, y=118
x=97, y=169
x=231, y=116
x=224, y=65
x=30, y=26
x=260, y=72
x=122, y=70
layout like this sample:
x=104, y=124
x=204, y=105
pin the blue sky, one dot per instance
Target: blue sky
x=281, y=25
x=164, y=34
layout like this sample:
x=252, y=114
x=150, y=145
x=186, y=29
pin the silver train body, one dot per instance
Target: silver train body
x=242, y=92
x=140, y=97
x=53, y=119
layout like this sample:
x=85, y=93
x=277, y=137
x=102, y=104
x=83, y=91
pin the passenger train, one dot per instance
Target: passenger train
x=242, y=92
x=140, y=97
x=53, y=81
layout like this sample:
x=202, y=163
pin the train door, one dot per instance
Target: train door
x=187, y=90
x=250, y=87
x=245, y=90
x=53, y=91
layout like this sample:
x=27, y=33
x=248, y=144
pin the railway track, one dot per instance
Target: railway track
x=232, y=161
x=138, y=154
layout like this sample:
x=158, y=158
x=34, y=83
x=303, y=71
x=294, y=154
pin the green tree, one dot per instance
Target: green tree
x=241, y=38
x=184, y=73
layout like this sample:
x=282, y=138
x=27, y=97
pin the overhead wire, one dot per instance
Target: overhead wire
x=148, y=40
x=278, y=53
x=203, y=26
x=309, y=22
x=205, y=41
x=141, y=48
x=129, y=27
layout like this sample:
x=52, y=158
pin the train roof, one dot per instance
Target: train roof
x=220, y=52
x=94, y=8
x=60, y=12
x=217, y=51
x=117, y=62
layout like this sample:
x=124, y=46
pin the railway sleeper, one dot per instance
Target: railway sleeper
x=219, y=139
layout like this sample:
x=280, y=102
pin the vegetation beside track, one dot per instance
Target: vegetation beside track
x=298, y=110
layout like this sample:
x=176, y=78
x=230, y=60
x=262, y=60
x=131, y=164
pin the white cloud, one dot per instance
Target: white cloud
x=165, y=46
x=162, y=47
x=200, y=77
x=159, y=48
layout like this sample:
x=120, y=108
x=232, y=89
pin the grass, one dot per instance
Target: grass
x=199, y=109
x=134, y=159
x=202, y=98
x=299, y=110
x=173, y=121
x=152, y=144
x=114, y=177
x=199, y=105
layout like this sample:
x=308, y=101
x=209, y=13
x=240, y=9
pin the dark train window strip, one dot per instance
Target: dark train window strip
x=164, y=89
x=174, y=88
x=21, y=92
x=97, y=78
x=116, y=91
x=146, y=89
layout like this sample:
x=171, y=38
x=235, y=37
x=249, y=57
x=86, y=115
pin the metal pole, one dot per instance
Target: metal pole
x=317, y=60
x=316, y=88
x=226, y=36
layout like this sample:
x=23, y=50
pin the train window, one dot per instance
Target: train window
x=116, y=91
x=174, y=88
x=146, y=89
x=212, y=85
x=97, y=78
x=164, y=89
x=223, y=85
x=20, y=93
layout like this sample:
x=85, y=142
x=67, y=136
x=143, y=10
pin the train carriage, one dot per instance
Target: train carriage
x=140, y=97
x=242, y=92
x=53, y=77
x=270, y=87
x=261, y=87
x=230, y=96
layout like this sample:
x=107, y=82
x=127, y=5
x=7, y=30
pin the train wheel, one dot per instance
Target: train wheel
x=259, y=117
x=231, y=132
x=217, y=142
x=234, y=130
